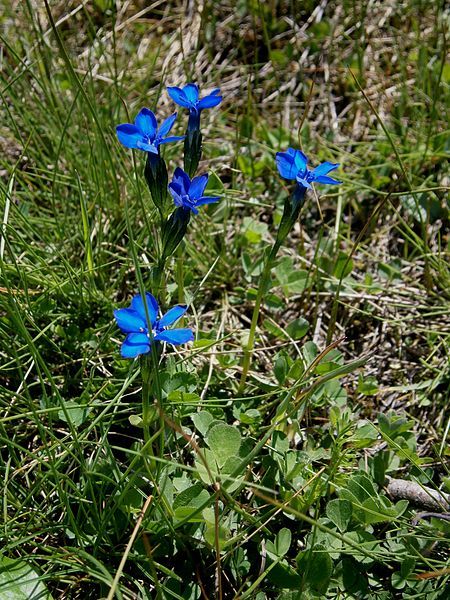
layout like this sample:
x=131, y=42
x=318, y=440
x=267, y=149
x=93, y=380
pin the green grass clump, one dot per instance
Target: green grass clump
x=282, y=489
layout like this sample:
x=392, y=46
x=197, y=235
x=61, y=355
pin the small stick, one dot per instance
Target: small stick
x=418, y=494
x=128, y=548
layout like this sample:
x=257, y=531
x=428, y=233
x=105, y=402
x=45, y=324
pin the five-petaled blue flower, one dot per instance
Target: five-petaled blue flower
x=145, y=134
x=292, y=165
x=133, y=321
x=189, y=194
x=188, y=97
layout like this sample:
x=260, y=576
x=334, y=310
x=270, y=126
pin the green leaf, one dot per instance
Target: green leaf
x=202, y=420
x=283, y=541
x=354, y=581
x=393, y=425
x=397, y=580
x=212, y=471
x=339, y=512
x=230, y=465
x=188, y=496
x=364, y=435
x=225, y=441
x=251, y=266
x=381, y=510
x=74, y=413
x=310, y=352
x=280, y=58
x=361, y=487
x=180, y=381
x=254, y=230
x=342, y=268
x=297, y=328
x=407, y=567
x=291, y=279
x=135, y=420
x=188, y=501
x=280, y=546
x=281, y=368
x=19, y=581
x=179, y=396
x=367, y=385
x=365, y=540
x=315, y=567
x=250, y=417
x=274, y=329
x=284, y=576
x=210, y=535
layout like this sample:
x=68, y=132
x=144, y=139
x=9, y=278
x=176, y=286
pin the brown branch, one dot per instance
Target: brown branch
x=417, y=494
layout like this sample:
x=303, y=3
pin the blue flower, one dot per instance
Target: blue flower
x=145, y=134
x=189, y=194
x=133, y=322
x=188, y=97
x=292, y=165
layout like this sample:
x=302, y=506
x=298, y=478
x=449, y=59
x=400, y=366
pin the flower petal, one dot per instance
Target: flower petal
x=133, y=350
x=166, y=125
x=173, y=315
x=182, y=179
x=286, y=166
x=137, y=304
x=148, y=147
x=175, y=192
x=178, y=96
x=129, y=320
x=146, y=122
x=191, y=92
x=129, y=135
x=325, y=179
x=172, y=138
x=304, y=182
x=197, y=186
x=175, y=336
x=138, y=339
x=324, y=168
x=207, y=200
x=300, y=160
x=209, y=102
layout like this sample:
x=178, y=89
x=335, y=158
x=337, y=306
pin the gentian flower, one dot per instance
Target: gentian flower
x=188, y=193
x=293, y=165
x=145, y=134
x=188, y=97
x=133, y=322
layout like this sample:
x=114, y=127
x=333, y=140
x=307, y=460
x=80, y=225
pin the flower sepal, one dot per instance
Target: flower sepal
x=174, y=230
x=192, y=150
x=291, y=211
x=155, y=174
x=147, y=362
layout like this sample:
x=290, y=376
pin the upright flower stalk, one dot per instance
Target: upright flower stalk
x=189, y=97
x=145, y=334
x=292, y=165
x=145, y=331
x=145, y=135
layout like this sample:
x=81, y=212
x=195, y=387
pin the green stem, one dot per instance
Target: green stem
x=292, y=207
x=263, y=282
x=158, y=282
x=151, y=388
x=146, y=372
x=155, y=353
x=180, y=274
